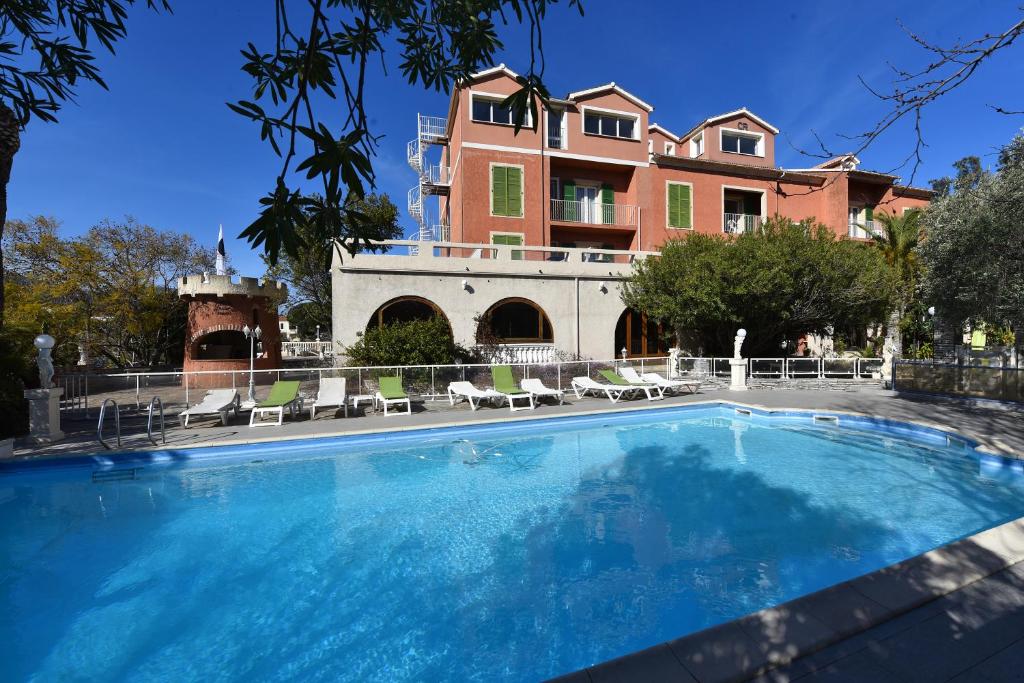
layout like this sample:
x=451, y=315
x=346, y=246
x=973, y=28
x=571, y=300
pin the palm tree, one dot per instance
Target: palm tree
x=898, y=238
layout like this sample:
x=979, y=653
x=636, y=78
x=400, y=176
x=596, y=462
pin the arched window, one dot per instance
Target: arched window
x=404, y=309
x=640, y=336
x=221, y=345
x=516, y=321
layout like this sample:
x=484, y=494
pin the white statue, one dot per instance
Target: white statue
x=737, y=342
x=45, y=343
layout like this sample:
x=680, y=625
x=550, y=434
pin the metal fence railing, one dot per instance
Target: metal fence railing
x=969, y=381
x=85, y=392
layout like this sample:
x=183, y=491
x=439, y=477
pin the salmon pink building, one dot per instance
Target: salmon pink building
x=593, y=185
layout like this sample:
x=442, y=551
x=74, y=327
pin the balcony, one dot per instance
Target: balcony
x=594, y=213
x=436, y=174
x=432, y=128
x=736, y=223
x=864, y=230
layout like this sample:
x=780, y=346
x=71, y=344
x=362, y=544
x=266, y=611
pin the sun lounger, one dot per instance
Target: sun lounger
x=539, y=391
x=284, y=394
x=582, y=385
x=619, y=380
x=331, y=395
x=216, y=402
x=505, y=384
x=466, y=390
x=654, y=378
x=391, y=393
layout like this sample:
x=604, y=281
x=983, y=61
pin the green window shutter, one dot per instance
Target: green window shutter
x=607, y=205
x=569, y=193
x=499, y=190
x=515, y=191
x=685, y=203
x=673, y=205
x=869, y=213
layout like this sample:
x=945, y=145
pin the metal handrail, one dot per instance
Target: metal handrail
x=149, y=422
x=117, y=423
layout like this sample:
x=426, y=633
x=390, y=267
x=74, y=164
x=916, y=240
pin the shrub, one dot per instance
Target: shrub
x=16, y=350
x=416, y=342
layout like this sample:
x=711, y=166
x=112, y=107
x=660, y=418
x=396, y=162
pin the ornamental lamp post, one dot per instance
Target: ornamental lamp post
x=252, y=336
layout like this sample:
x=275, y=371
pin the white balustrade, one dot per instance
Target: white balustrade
x=594, y=213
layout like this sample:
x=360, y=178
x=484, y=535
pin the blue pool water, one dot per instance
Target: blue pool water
x=481, y=554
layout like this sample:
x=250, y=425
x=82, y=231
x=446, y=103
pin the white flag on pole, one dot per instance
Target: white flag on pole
x=220, y=252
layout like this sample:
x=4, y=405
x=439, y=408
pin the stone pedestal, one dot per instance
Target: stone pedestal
x=738, y=374
x=44, y=415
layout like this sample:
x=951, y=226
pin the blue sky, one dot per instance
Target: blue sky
x=162, y=146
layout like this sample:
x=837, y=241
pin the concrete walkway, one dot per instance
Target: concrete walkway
x=998, y=429
x=973, y=634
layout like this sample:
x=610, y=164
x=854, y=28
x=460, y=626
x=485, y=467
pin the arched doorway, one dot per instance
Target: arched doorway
x=515, y=321
x=640, y=336
x=405, y=309
x=221, y=345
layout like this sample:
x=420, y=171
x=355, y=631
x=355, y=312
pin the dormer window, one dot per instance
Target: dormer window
x=610, y=124
x=488, y=109
x=697, y=145
x=742, y=142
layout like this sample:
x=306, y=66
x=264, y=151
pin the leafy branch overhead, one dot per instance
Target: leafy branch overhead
x=322, y=57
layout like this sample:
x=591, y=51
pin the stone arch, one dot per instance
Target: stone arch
x=515, y=320
x=405, y=308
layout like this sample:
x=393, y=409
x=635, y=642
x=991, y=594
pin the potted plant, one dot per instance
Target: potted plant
x=15, y=368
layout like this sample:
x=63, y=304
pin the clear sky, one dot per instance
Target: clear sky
x=162, y=146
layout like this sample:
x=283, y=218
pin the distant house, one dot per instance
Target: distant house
x=288, y=333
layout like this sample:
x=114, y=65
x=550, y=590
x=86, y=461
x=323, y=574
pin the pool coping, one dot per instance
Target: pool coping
x=755, y=644
x=110, y=458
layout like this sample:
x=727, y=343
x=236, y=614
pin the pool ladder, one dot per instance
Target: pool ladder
x=117, y=423
x=153, y=405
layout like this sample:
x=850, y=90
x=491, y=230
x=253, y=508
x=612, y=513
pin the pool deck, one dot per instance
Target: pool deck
x=999, y=430
x=955, y=613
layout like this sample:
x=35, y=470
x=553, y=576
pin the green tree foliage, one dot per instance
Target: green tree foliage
x=15, y=375
x=973, y=254
x=416, y=342
x=112, y=290
x=308, y=271
x=309, y=97
x=46, y=50
x=783, y=281
x=969, y=173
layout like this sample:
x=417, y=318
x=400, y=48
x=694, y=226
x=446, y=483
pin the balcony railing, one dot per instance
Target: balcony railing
x=432, y=128
x=864, y=230
x=736, y=223
x=436, y=174
x=593, y=213
x=555, y=140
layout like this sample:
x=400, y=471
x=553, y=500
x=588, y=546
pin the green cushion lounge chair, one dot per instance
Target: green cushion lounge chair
x=505, y=383
x=282, y=395
x=390, y=392
x=618, y=380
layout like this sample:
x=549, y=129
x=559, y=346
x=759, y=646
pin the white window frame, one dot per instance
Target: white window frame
x=697, y=145
x=610, y=112
x=496, y=98
x=563, y=131
x=740, y=188
x=670, y=149
x=759, y=149
x=490, y=189
x=678, y=182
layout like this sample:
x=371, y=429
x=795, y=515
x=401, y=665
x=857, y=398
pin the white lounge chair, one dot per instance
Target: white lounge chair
x=331, y=395
x=457, y=390
x=539, y=391
x=614, y=392
x=216, y=402
x=654, y=378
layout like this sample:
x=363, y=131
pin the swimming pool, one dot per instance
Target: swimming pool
x=511, y=552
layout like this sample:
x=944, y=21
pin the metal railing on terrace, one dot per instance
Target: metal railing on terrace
x=85, y=392
x=592, y=213
x=432, y=128
x=506, y=253
x=736, y=223
x=435, y=174
x=307, y=348
x=864, y=230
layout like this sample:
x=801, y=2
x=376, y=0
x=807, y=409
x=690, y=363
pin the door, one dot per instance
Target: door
x=589, y=197
x=853, y=220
